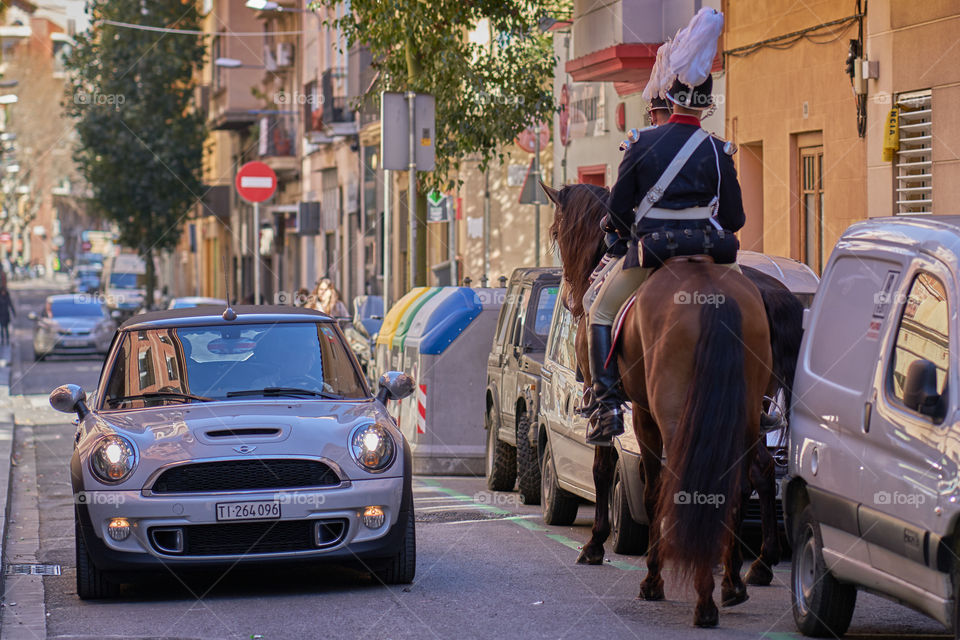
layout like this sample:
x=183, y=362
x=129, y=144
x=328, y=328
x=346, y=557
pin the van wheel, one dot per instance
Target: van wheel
x=822, y=606
x=559, y=507
x=91, y=583
x=501, y=459
x=528, y=466
x=628, y=537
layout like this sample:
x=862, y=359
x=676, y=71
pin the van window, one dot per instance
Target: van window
x=850, y=317
x=562, y=350
x=923, y=333
x=545, y=303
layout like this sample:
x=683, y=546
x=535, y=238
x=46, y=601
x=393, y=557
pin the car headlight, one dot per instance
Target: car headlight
x=113, y=459
x=372, y=447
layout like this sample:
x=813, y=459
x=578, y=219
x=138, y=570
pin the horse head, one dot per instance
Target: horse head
x=576, y=234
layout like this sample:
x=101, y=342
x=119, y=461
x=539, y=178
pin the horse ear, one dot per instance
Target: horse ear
x=552, y=193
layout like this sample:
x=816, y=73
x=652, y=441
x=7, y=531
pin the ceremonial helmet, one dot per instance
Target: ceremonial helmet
x=659, y=103
x=698, y=97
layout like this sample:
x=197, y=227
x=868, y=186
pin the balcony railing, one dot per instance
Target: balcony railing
x=278, y=135
x=336, y=105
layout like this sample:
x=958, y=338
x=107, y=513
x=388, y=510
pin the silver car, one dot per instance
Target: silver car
x=242, y=438
x=72, y=324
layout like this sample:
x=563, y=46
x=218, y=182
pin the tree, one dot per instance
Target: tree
x=140, y=142
x=486, y=93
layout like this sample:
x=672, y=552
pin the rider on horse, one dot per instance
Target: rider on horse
x=705, y=191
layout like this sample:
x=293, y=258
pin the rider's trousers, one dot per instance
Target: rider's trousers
x=618, y=285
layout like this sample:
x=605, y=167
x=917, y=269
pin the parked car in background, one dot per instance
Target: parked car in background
x=872, y=500
x=86, y=279
x=72, y=324
x=195, y=301
x=361, y=331
x=513, y=381
x=124, y=282
x=566, y=461
x=166, y=478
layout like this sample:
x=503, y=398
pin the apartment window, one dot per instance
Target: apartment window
x=217, y=48
x=811, y=207
x=914, y=158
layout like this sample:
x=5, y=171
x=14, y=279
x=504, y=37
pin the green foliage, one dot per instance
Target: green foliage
x=140, y=143
x=486, y=93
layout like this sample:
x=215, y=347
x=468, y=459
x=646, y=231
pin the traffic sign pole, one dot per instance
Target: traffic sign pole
x=256, y=253
x=256, y=183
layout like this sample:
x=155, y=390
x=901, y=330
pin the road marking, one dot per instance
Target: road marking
x=518, y=520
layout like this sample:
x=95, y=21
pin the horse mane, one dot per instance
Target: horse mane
x=577, y=234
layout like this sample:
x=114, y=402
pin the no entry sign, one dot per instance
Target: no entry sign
x=256, y=182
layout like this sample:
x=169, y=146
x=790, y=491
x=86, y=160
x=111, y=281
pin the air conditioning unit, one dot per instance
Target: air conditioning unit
x=284, y=54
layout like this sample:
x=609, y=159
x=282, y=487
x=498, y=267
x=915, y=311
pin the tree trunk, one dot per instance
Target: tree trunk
x=151, y=279
x=419, y=252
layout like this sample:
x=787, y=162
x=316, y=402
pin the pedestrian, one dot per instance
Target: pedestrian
x=302, y=298
x=6, y=310
x=327, y=300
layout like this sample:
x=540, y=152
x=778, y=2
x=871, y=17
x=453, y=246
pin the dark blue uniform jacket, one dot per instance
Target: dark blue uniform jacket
x=694, y=186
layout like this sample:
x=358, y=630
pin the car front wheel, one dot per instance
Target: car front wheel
x=559, y=507
x=92, y=584
x=822, y=606
x=402, y=568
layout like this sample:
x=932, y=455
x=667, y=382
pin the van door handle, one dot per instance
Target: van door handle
x=867, y=413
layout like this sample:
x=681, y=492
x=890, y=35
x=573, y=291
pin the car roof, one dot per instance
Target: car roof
x=76, y=298
x=928, y=233
x=213, y=315
x=530, y=274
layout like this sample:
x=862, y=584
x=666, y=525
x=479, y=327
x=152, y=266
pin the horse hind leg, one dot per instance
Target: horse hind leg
x=651, y=446
x=763, y=479
x=705, y=613
x=732, y=589
x=604, y=465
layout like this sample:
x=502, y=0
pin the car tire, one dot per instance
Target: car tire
x=92, y=584
x=528, y=464
x=402, y=567
x=501, y=459
x=822, y=605
x=627, y=536
x=559, y=507
x=38, y=357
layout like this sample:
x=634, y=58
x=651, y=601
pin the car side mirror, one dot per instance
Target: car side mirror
x=33, y=316
x=920, y=388
x=70, y=398
x=395, y=385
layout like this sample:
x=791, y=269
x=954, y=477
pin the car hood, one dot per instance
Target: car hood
x=201, y=431
x=78, y=323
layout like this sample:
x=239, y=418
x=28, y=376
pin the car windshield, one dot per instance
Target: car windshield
x=191, y=364
x=128, y=280
x=71, y=309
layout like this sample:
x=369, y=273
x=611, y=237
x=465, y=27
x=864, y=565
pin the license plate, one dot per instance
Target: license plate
x=256, y=510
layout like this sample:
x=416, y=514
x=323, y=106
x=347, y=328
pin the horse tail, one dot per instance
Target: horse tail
x=705, y=454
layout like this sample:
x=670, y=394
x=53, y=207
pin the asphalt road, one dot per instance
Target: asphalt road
x=487, y=566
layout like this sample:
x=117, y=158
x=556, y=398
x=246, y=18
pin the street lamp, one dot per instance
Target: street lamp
x=265, y=5
x=8, y=84
x=10, y=98
x=233, y=63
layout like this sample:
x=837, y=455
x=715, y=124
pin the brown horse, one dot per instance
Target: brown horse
x=696, y=376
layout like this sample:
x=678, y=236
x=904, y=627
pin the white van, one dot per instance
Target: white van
x=872, y=499
x=124, y=282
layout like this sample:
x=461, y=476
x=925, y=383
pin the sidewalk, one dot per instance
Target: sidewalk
x=6, y=446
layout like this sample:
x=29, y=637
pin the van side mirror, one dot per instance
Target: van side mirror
x=70, y=398
x=395, y=385
x=920, y=388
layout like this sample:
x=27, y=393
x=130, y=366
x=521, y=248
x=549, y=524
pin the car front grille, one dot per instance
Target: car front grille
x=752, y=512
x=245, y=538
x=245, y=475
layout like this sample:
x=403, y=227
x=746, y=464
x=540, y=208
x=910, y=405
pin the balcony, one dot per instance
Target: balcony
x=278, y=142
x=334, y=117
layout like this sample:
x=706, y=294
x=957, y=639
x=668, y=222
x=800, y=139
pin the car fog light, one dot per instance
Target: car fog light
x=373, y=517
x=119, y=529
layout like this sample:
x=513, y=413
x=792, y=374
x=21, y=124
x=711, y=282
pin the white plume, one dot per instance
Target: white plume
x=660, y=76
x=695, y=47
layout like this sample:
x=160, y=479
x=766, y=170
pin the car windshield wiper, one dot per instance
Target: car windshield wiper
x=154, y=395
x=283, y=391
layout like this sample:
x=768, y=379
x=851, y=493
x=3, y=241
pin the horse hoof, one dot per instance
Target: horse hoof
x=733, y=597
x=706, y=615
x=759, y=574
x=589, y=556
x=651, y=592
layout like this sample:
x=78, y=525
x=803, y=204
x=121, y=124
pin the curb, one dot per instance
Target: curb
x=6, y=451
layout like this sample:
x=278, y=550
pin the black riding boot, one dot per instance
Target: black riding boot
x=606, y=422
